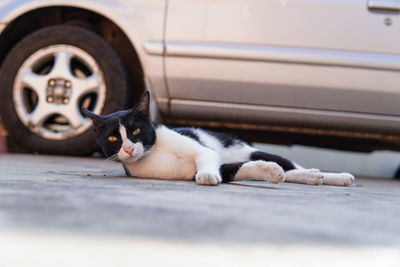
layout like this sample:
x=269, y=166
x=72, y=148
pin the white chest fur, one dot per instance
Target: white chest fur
x=172, y=157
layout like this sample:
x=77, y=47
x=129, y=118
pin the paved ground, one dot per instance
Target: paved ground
x=65, y=203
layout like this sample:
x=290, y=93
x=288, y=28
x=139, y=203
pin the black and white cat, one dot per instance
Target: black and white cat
x=150, y=150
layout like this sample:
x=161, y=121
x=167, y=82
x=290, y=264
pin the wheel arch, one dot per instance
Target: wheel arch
x=27, y=19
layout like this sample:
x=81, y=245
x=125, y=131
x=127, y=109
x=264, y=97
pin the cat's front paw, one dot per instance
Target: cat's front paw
x=208, y=178
x=338, y=179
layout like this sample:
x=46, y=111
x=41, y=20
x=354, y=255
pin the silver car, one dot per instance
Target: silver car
x=315, y=72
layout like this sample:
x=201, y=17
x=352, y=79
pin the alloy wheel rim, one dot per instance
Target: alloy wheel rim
x=52, y=85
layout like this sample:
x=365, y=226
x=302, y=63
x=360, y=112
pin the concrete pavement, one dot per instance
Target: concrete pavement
x=45, y=195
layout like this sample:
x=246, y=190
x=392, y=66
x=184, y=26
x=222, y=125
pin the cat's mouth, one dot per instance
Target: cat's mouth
x=130, y=158
x=131, y=152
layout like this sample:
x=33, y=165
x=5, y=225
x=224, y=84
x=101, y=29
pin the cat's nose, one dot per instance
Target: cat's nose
x=128, y=150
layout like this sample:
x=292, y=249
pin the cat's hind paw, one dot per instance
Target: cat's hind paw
x=263, y=170
x=208, y=178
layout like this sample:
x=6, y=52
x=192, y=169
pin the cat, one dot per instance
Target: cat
x=152, y=150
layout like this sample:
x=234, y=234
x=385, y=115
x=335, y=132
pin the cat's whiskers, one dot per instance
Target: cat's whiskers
x=111, y=159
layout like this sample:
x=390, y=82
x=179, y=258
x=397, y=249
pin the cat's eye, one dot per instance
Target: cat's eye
x=136, y=132
x=112, y=138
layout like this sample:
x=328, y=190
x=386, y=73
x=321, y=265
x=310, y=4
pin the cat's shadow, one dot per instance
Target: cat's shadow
x=228, y=184
x=253, y=186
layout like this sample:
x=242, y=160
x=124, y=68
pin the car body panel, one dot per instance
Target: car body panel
x=295, y=54
x=324, y=24
x=237, y=114
x=267, y=76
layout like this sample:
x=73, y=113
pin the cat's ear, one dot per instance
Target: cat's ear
x=97, y=119
x=143, y=105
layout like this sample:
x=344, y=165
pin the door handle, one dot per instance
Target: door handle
x=384, y=5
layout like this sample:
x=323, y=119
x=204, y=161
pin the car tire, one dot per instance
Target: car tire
x=44, y=81
x=397, y=173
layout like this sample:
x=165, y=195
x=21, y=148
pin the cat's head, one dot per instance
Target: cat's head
x=125, y=135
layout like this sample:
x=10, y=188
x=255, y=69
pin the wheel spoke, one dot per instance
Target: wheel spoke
x=87, y=85
x=73, y=115
x=62, y=64
x=35, y=82
x=39, y=114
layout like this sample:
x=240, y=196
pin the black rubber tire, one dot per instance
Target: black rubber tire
x=397, y=174
x=20, y=138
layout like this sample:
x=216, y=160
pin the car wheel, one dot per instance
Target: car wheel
x=397, y=174
x=46, y=79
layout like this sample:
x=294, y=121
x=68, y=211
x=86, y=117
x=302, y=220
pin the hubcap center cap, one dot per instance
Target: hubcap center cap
x=58, y=91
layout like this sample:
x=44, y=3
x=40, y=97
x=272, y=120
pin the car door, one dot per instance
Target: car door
x=331, y=55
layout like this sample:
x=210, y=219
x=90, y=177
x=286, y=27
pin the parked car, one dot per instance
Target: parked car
x=316, y=72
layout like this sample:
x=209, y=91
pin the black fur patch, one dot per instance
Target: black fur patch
x=109, y=127
x=287, y=165
x=126, y=170
x=225, y=139
x=228, y=171
x=187, y=132
x=147, y=134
